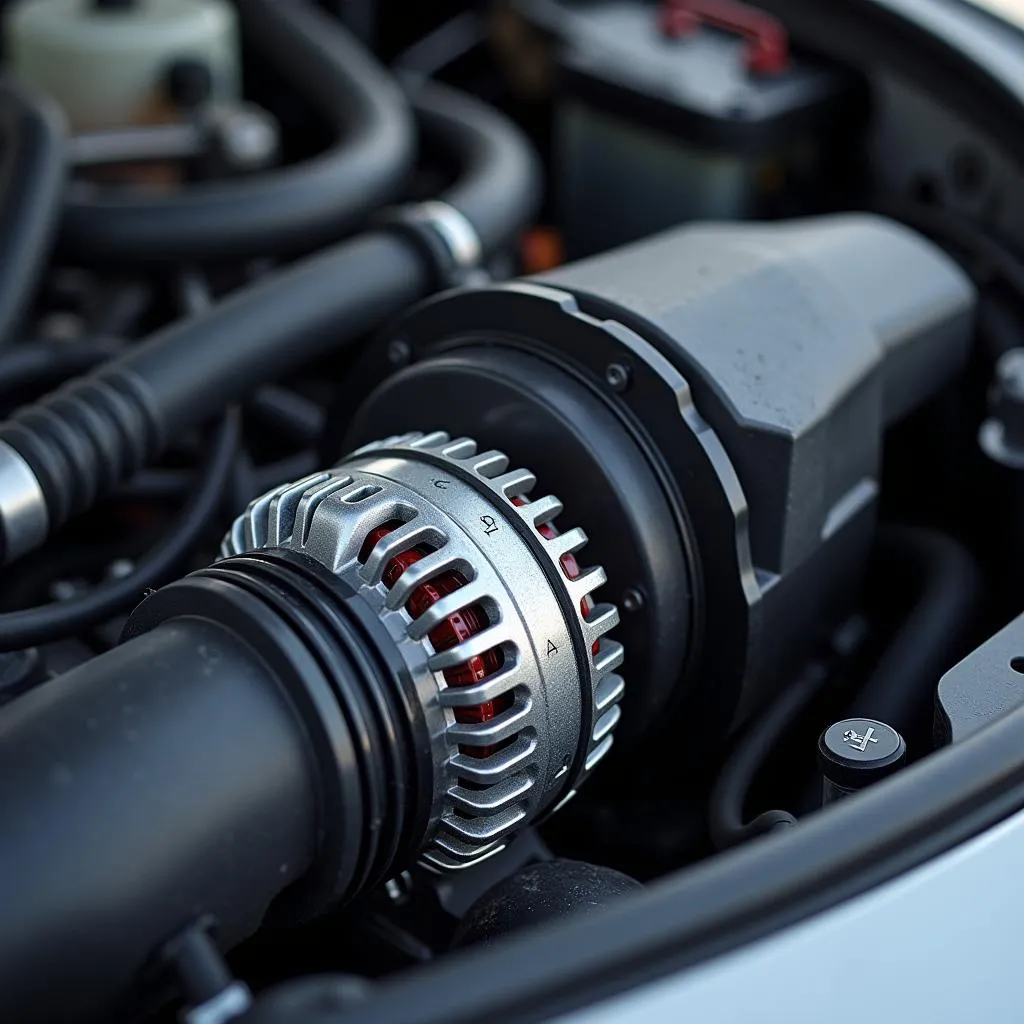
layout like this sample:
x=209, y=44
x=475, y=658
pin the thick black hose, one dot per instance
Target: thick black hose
x=901, y=689
x=38, y=361
x=195, y=367
x=166, y=779
x=84, y=439
x=99, y=430
x=729, y=795
x=294, y=209
x=32, y=172
x=499, y=188
x=32, y=626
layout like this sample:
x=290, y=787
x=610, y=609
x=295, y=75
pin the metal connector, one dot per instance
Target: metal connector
x=24, y=517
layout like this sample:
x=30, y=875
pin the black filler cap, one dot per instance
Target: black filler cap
x=857, y=752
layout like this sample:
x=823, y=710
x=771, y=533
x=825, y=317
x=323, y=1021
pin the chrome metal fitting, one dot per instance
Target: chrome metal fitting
x=445, y=237
x=24, y=516
x=455, y=230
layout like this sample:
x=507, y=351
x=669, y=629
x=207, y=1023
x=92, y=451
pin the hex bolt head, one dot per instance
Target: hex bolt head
x=617, y=376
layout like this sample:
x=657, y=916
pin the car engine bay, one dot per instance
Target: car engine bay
x=497, y=501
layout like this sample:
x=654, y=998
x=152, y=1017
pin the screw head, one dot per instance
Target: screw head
x=617, y=376
x=632, y=600
x=399, y=352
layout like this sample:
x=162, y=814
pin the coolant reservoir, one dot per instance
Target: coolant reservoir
x=110, y=63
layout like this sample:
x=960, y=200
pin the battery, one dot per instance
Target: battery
x=686, y=110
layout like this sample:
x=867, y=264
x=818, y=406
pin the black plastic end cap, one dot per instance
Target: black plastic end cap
x=857, y=752
x=189, y=83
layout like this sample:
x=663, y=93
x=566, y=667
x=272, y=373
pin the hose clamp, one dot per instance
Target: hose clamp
x=446, y=236
x=24, y=517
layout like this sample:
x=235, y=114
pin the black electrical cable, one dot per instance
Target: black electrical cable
x=728, y=797
x=32, y=172
x=901, y=689
x=162, y=485
x=46, y=623
x=122, y=310
x=296, y=417
x=296, y=208
x=156, y=485
x=443, y=46
x=84, y=439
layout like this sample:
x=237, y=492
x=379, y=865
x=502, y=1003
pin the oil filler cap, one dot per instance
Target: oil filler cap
x=857, y=752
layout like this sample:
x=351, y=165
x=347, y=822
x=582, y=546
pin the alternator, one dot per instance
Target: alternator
x=490, y=610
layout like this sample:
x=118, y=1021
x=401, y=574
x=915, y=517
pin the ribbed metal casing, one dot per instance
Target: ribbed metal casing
x=467, y=517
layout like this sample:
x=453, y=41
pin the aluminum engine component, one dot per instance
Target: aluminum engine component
x=490, y=610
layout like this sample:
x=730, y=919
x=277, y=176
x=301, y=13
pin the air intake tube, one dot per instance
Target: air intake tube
x=188, y=771
x=261, y=747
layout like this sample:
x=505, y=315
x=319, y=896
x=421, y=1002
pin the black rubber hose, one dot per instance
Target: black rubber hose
x=294, y=209
x=32, y=626
x=168, y=777
x=99, y=430
x=901, y=689
x=32, y=173
x=500, y=181
x=728, y=797
x=96, y=432
x=40, y=361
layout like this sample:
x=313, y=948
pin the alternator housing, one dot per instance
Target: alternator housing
x=491, y=614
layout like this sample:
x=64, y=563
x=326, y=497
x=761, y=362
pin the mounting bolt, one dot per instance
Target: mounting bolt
x=632, y=600
x=399, y=352
x=618, y=376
